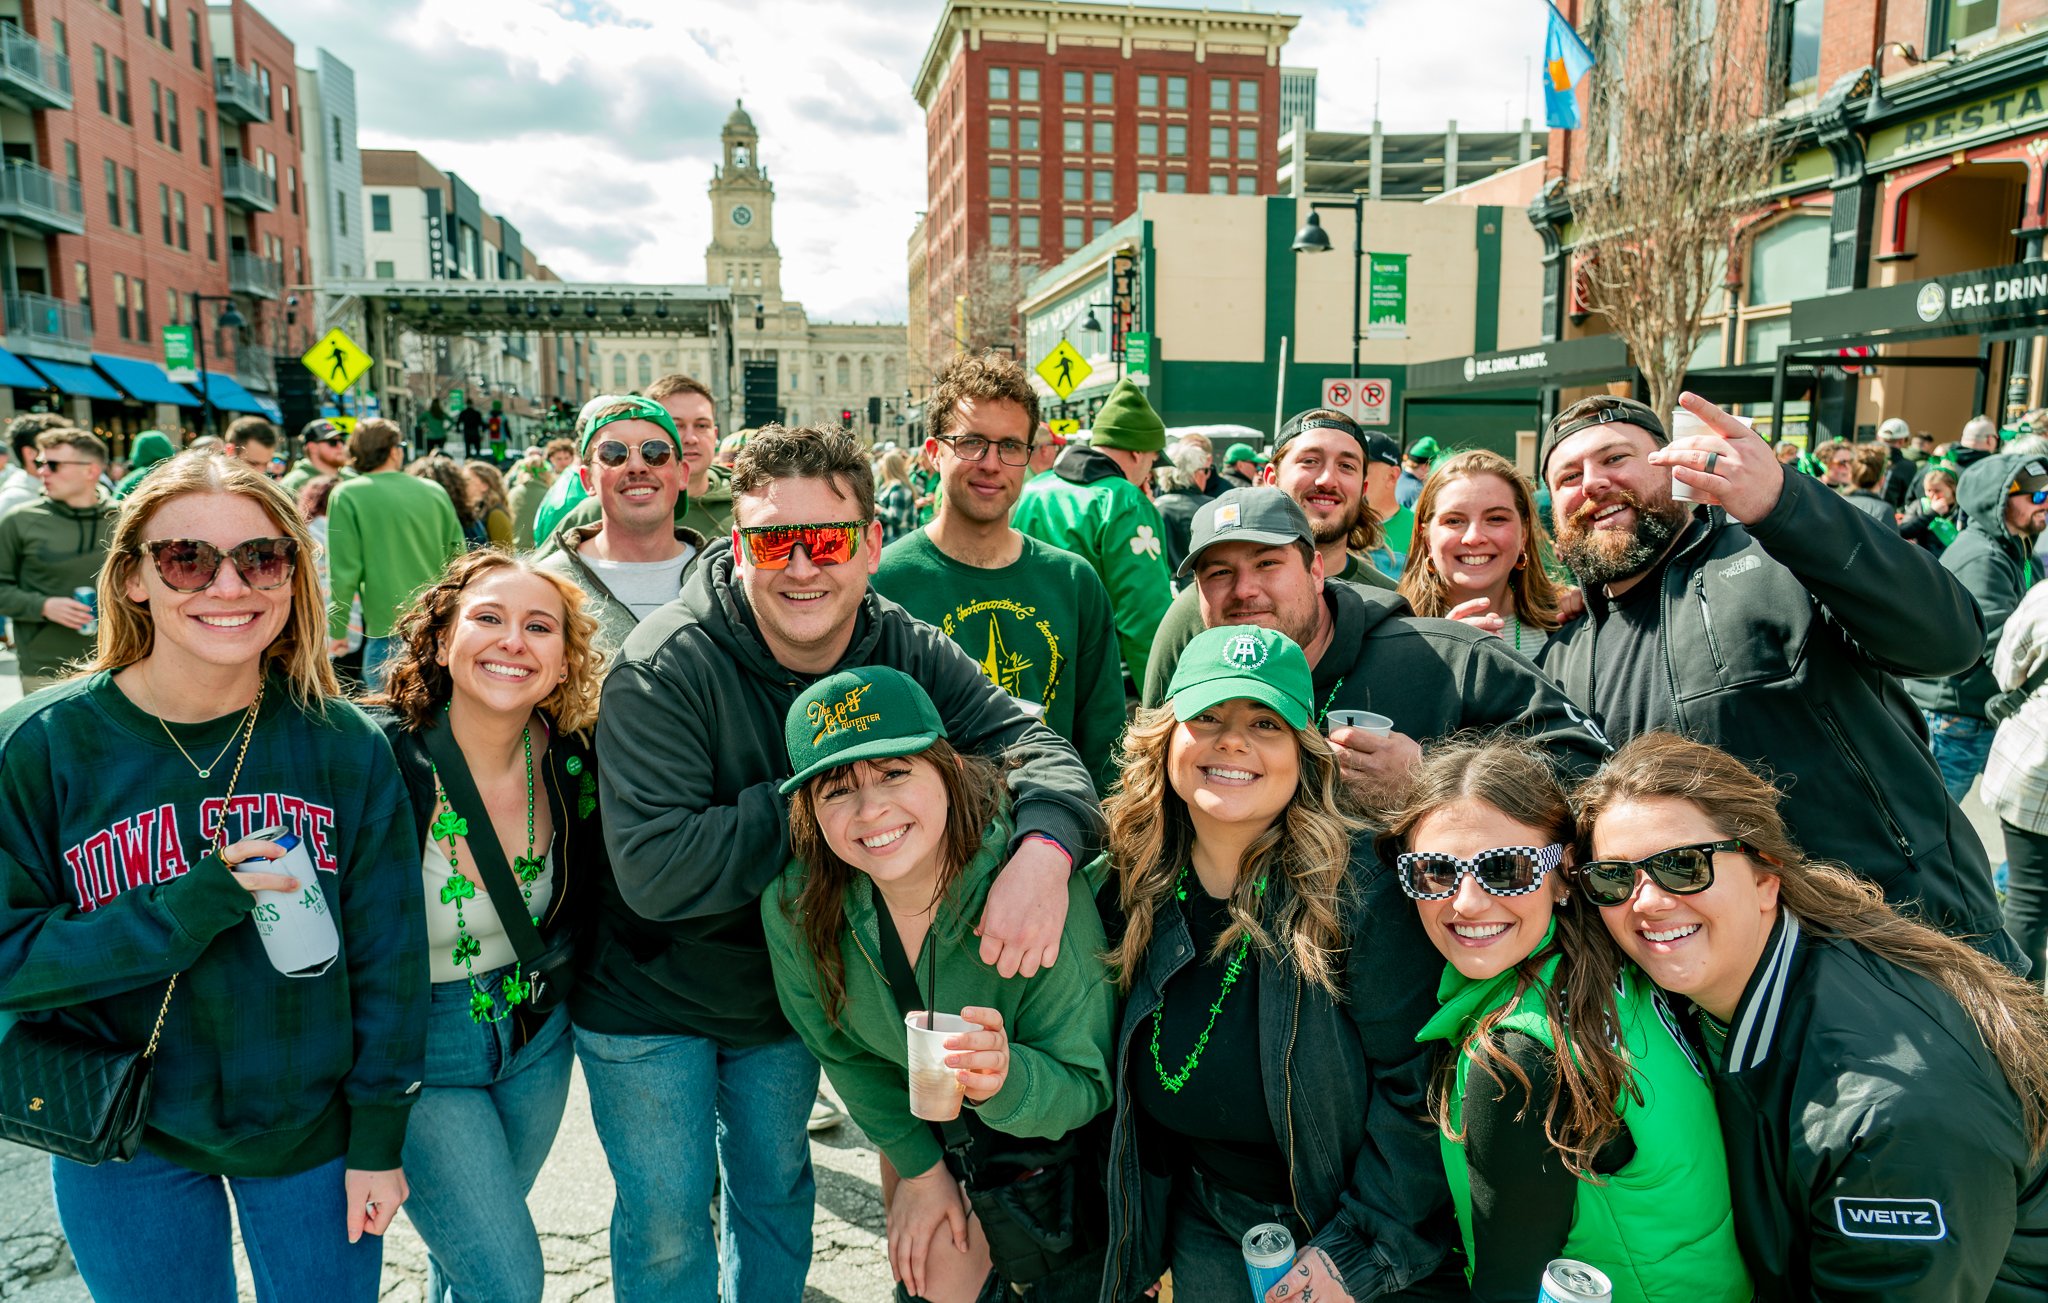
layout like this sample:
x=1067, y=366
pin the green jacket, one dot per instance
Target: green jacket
x=389, y=534
x=302, y=473
x=1087, y=506
x=1661, y=1228
x=151, y=447
x=50, y=550
x=1058, y=1022
x=710, y=516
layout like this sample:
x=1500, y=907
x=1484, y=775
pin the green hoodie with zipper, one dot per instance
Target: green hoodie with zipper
x=50, y=550
x=1058, y=1022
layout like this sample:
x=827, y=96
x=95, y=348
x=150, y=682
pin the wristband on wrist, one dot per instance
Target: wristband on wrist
x=1052, y=842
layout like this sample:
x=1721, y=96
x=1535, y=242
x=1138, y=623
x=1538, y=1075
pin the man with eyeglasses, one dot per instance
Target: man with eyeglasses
x=1094, y=505
x=2004, y=499
x=50, y=548
x=326, y=453
x=1035, y=618
x=388, y=536
x=630, y=561
x=692, y=1067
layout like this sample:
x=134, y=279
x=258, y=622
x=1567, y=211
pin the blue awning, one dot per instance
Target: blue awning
x=15, y=373
x=144, y=381
x=228, y=395
x=271, y=409
x=78, y=381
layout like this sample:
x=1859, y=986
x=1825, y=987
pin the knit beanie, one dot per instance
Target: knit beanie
x=1127, y=421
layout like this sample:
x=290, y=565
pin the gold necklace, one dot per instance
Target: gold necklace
x=207, y=772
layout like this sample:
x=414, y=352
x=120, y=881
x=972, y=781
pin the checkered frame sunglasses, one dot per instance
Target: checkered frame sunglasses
x=1503, y=871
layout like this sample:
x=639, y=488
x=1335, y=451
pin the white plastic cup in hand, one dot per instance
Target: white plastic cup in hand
x=296, y=926
x=935, y=1089
x=1683, y=425
x=1376, y=724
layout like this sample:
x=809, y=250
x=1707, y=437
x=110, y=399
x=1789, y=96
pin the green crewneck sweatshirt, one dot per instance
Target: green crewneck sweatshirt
x=389, y=535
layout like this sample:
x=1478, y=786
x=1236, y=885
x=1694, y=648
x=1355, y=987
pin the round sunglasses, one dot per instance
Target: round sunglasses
x=1680, y=871
x=190, y=565
x=1504, y=871
x=611, y=453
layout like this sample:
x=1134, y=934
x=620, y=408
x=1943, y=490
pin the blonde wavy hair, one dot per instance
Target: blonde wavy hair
x=1531, y=588
x=127, y=634
x=416, y=685
x=1306, y=853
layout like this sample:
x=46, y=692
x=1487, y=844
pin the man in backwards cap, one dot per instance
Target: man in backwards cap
x=1773, y=619
x=1092, y=505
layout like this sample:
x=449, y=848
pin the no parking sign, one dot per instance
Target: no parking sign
x=1364, y=401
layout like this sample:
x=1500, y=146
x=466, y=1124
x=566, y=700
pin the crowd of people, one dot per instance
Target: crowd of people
x=1457, y=870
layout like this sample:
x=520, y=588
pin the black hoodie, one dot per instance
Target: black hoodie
x=691, y=740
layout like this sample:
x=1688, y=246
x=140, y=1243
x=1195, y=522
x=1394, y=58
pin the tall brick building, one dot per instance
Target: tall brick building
x=1045, y=121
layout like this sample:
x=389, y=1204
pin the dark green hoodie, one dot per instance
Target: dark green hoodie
x=151, y=447
x=50, y=550
x=1998, y=568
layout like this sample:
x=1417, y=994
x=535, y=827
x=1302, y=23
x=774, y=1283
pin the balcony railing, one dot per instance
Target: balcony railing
x=39, y=199
x=239, y=93
x=256, y=276
x=40, y=319
x=247, y=186
x=31, y=73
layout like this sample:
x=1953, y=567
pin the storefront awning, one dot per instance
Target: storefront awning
x=144, y=381
x=1990, y=301
x=226, y=393
x=77, y=381
x=1595, y=359
x=16, y=374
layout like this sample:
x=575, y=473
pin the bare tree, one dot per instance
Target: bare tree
x=1678, y=145
x=983, y=311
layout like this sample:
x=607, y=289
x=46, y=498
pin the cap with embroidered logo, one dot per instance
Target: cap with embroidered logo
x=1233, y=661
x=2030, y=476
x=1257, y=515
x=872, y=713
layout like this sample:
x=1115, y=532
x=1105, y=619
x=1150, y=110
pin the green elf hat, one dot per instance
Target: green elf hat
x=631, y=407
x=1233, y=661
x=872, y=713
x=1127, y=421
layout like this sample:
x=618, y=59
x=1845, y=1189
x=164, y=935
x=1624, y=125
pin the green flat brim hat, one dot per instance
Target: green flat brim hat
x=1238, y=452
x=631, y=408
x=1243, y=661
x=872, y=713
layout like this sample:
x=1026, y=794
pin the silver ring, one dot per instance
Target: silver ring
x=1712, y=458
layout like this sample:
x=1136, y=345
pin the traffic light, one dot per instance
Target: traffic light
x=846, y=417
x=874, y=411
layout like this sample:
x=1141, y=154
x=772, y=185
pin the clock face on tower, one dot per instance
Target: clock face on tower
x=742, y=215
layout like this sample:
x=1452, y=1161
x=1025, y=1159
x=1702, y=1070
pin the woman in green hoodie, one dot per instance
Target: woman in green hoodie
x=1610, y=1154
x=897, y=838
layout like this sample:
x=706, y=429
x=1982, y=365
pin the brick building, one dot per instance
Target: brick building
x=1045, y=121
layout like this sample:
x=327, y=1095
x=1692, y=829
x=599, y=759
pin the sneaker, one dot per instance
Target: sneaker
x=824, y=1115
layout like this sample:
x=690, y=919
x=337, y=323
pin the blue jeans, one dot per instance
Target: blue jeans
x=150, y=1231
x=1961, y=744
x=479, y=1132
x=376, y=651
x=651, y=1098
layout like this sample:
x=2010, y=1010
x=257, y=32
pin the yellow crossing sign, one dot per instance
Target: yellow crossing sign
x=337, y=360
x=1064, y=427
x=1064, y=369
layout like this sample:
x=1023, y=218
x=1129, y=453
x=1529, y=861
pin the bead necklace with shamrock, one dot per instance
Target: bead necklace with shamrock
x=448, y=826
x=1174, y=1082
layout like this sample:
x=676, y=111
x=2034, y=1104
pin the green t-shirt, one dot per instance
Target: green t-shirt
x=1040, y=628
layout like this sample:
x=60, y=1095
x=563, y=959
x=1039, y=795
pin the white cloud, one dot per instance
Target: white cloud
x=1437, y=60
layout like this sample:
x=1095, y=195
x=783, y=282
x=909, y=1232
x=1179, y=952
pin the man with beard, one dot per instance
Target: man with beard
x=1774, y=620
x=1254, y=561
x=1321, y=462
x=1034, y=617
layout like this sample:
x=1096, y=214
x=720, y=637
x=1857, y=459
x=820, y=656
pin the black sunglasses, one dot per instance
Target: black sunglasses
x=655, y=452
x=1680, y=871
x=190, y=565
x=1504, y=871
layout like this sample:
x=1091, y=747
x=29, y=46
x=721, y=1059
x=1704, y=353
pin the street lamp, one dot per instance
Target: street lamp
x=230, y=319
x=1093, y=326
x=1312, y=238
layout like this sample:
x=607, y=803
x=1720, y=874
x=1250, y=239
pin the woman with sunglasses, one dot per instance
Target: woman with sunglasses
x=488, y=706
x=1572, y=1121
x=1478, y=552
x=139, y=805
x=1883, y=1089
x=1270, y=1071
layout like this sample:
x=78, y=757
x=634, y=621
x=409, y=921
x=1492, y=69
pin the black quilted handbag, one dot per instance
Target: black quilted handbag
x=74, y=1095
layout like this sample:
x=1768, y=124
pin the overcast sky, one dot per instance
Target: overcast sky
x=593, y=124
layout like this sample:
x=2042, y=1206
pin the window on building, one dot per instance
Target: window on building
x=1103, y=182
x=171, y=115
x=149, y=18
x=71, y=172
x=1027, y=183
x=121, y=319
x=1098, y=227
x=81, y=284
x=1027, y=232
x=285, y=98
x=999, y=230
x=1248, y=144
x=999, y=183
x=174, y=306
x=123, y=109
x=380, y=212
x=60, y=37
x=1176, y=183
x=192, y=38
x=1105, y=137
x=998, y=133
x=113, y=194
x=1176, y=92
x=1247, y=184
x=1027, y=133
x=1148, y=139
x=341, y=211
x=1950, y=21
x=134, y=201
x=163, y=25
x=386, y=270
x=1176, y=141
x=99, y=80
x=1027, y=85
x=163, y=206
x=1247, y=97
x=1219, y=183
x=1075, y=183
x=1102, y=87
x=335, y=124
x=178, y=215
x=1148, y=182
x=1073, y=86
x=619, y=372
x=1788, y=260
x=844, y=371
x=205, y=149
x=999, y=83
x=1070, y=233
x=1148, y=90
x=1219, y=95
x=1219, y=142
x=212, y=248
x=1074, y=135
x=156, y=109
x=138, y=294
x=645, y=369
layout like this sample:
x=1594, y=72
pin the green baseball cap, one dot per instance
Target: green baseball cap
x=871, y=713
x=1424, y=449
x=1256, y=515
x=1238, y=452
x=1233, y=661
x=632, y=407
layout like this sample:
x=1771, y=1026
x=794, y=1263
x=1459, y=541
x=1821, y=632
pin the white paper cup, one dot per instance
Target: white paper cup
x=296, y=926
x=1683, y=425
x=1376, y=724
x=935, y=1089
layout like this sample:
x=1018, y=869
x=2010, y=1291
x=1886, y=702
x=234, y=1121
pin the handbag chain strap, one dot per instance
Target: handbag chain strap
x=220, y=846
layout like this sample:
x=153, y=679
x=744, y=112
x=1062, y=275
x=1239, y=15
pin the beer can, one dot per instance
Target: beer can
x=90, y=599
x=1566, y=1280
x=1268, y=1253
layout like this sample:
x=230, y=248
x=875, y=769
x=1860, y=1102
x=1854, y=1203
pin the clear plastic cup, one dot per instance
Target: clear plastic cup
x=1376, y=724
x=935, y=1090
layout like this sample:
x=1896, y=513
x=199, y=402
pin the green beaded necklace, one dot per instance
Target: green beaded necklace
x=448, y=826
x=1173, y=1082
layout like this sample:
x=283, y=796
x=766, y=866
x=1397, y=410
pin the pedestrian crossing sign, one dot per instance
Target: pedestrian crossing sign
x=1064, y=427
x=337, y=360
x=1064, y=369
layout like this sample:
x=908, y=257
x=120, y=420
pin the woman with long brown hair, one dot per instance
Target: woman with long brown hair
x=896, y=839
x=1572, y=1121
x=1477, y=552
x=141, y=805
x=1883, y=1089
x=487, y=502
x=1270, y=1072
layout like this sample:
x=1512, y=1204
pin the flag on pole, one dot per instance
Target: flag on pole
x=1565, y=61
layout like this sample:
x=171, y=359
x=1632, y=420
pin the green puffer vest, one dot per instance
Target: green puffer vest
x=1661, y=1227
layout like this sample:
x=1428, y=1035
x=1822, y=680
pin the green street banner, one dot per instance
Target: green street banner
x=1386, y=297
x=178, y=364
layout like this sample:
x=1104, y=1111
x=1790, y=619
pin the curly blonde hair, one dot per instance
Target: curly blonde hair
x=416, y=685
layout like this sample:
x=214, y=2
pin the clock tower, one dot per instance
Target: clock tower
x=742, y=253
